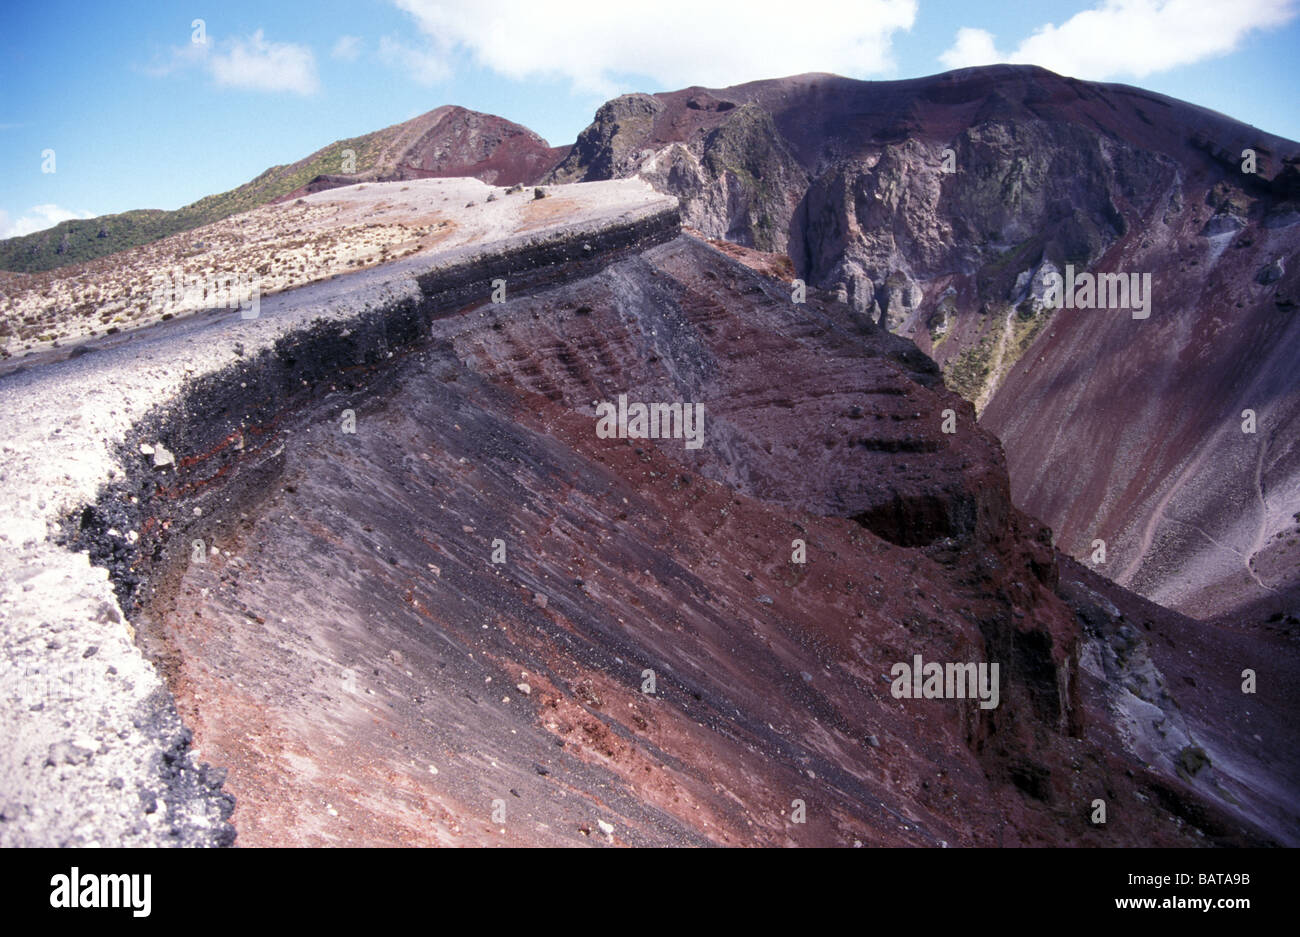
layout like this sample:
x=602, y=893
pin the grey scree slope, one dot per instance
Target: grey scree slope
x=94, y=750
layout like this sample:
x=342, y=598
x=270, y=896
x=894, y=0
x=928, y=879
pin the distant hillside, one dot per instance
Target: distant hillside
x=448, y=141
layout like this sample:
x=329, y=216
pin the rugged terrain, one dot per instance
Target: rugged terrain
x=937, y=206
x=341, y=642
x=97, y=753
x=363, y=563
x=380, y=649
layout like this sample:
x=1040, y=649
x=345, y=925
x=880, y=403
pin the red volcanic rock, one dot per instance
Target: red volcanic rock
x=1175, y=439
x=460, y=142
x=477, y=619
x=364, y=645
x=451, y=141
x=939, y=205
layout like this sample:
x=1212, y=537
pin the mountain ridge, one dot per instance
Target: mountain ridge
x=447, y=141
x=941, y=207
x=77, y=239
x=848, y=178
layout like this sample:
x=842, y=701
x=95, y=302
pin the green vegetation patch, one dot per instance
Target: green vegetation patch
x=80, y=240
x=969, y=371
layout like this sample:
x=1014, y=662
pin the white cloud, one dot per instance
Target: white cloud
x=252, y=64
x=264, y=66
x=675, y=42
x=973, y=47
x=37, y=218
x=347, y=48
x=190, y=55
x=1129, y=37
x=424, y=67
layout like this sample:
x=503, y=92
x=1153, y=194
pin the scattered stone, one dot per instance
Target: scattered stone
x=1270, y=273
x=66, y=753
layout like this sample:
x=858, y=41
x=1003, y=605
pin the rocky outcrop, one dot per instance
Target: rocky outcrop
x=612, y=145
x=735, y=180
x=448, y=142
x=939, y=207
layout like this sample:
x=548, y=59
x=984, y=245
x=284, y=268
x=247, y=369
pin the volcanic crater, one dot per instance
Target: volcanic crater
x=404, y=594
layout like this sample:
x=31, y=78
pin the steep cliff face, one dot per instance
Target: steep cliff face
x=734, y=174
x=431, y=603
x=353, y=593
x=941, y=208
x=946, y=257
x=1175, y=439
x=403, y=590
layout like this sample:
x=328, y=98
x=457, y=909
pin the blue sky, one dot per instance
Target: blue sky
x=141, y=116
